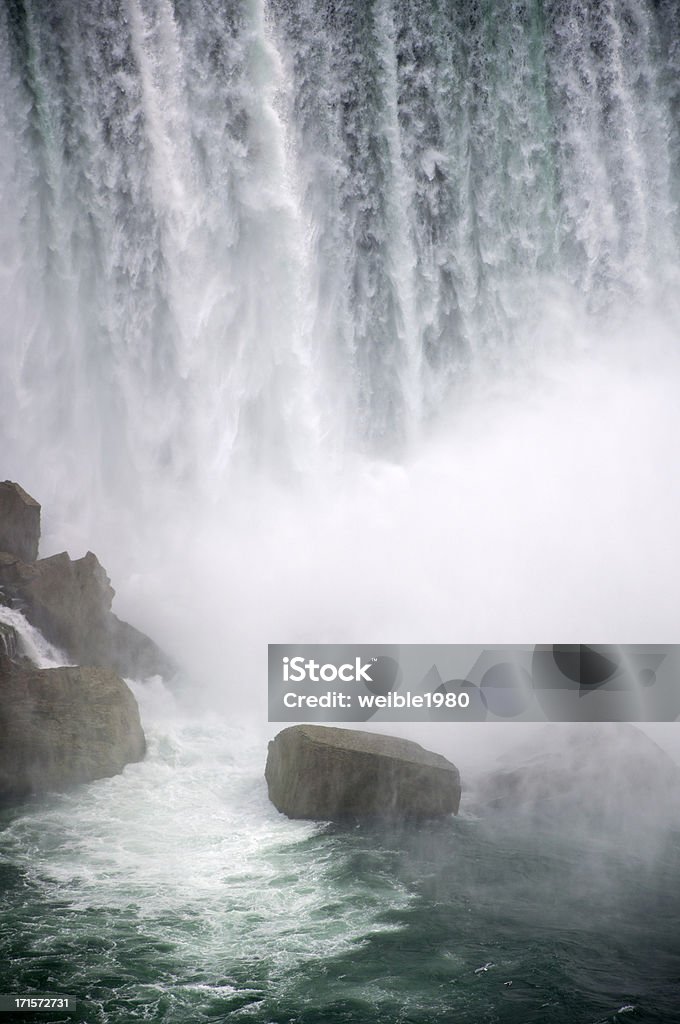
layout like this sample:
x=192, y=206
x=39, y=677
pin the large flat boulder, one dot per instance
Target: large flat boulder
x=69, y=601
x=19, y=522
x=63, y=726
x=320, y=772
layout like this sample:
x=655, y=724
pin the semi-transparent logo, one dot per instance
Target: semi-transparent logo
x=460, y=682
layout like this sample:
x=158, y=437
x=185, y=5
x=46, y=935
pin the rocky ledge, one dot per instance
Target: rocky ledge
x=63, y=726
x=68, y=600
x=320, y=772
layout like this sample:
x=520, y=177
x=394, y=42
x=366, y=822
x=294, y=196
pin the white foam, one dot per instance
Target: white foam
x=32, y=644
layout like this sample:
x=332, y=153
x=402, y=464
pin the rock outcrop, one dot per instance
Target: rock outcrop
x=63, y=726
x=19, y=522
x=320, y=772
x=597, y=773
x=69, y=601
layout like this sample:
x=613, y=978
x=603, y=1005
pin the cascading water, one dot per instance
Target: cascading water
x=343, y=321
x=160, y=304
x=269, y=230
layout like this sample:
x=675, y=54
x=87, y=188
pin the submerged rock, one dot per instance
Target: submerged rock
x=63, y=726
x=320, y=772
x=69, y=601
x=19, y=522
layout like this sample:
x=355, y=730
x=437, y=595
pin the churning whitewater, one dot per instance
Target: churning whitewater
x=340, y=321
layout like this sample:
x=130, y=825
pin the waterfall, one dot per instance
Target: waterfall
x=253, y=240
x=246, y=228
x=20, y=638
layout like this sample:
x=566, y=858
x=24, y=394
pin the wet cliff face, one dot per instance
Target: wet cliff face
x=60, y=726
x=68, y=600
x=19, y=522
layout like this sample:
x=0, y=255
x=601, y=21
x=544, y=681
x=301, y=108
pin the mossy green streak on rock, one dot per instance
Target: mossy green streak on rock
x=63, y=726
x=318, y=772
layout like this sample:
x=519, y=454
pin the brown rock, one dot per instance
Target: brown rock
x=63, y=726
x=320, y=772
x=19, y=522
x=69, y=601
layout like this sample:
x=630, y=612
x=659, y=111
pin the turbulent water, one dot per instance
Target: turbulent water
x=340, y=321
x=176, y=893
